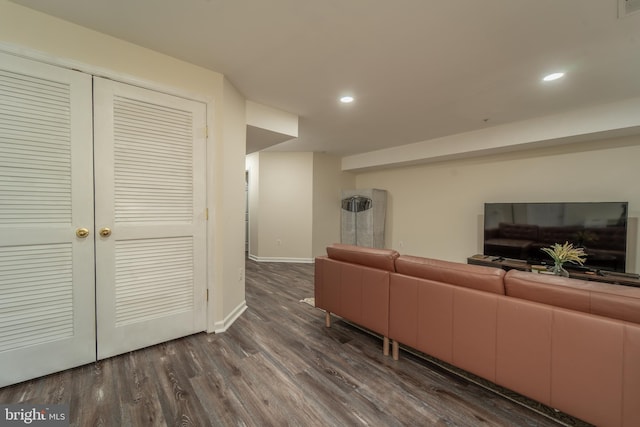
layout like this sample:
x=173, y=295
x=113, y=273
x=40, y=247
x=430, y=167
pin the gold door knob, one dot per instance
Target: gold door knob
x=82, y=232
x=105, y=232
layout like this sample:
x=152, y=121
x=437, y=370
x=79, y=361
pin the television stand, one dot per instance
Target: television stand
x=618, y=274
x=500, y=262
x=614, y=277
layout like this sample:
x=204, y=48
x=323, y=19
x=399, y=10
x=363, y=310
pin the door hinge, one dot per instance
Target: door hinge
x=206, y=214
x=206, y=132
x=207, y=295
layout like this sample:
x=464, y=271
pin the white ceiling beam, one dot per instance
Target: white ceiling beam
x=613, y=119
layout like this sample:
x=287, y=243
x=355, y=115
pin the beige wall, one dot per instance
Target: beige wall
x=328, y=181
x=228, y=242
x=55, y=41
x=62, y=41
x=284, y=213
x=294, y=204
x=436, y=210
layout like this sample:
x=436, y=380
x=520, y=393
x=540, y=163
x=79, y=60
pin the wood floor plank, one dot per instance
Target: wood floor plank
x=277, y=365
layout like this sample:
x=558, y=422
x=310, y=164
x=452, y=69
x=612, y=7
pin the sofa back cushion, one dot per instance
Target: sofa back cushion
x=488, y=279
x=604, y=299
x=383, y=259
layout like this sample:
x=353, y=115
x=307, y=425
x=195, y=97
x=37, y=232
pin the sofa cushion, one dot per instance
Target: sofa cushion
x=488, y=279
x=587, y=367
x=604, y=299
x=383, y=259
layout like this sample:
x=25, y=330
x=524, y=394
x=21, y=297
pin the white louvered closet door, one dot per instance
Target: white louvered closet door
x=150, y=192
x=47, y=311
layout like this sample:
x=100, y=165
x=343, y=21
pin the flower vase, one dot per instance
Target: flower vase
x=559, y=270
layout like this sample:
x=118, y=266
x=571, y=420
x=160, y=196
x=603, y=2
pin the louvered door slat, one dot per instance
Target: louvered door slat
x=160, y=139
x=153, y=279
x=34, y=113
x=46, y=273
x=151, y=270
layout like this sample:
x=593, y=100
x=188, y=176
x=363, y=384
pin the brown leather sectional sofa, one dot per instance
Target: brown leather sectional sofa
x=570, y=344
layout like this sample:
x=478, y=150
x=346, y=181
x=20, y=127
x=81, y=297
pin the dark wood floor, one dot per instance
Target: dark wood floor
x=277, y=365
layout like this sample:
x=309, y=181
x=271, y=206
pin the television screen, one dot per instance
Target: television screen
x=521, y=230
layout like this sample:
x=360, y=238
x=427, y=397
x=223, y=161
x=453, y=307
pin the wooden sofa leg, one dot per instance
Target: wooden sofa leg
x=385, y=346
x=395, y=350
x=327, y=319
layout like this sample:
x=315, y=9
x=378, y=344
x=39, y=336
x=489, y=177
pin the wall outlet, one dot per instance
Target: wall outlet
x=278, y=242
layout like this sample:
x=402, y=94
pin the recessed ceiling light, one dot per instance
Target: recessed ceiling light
x=346, y=99
x=553, y=76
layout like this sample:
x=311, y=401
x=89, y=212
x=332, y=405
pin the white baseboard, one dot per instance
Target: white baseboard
x=280, y=259
x=219, y=327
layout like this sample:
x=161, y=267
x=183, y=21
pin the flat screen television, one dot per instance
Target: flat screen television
x=521, y=230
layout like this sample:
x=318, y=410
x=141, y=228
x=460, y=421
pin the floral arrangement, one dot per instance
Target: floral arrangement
x=565, y=253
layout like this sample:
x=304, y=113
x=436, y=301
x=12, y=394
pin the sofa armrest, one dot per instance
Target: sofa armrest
x=354, y=292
